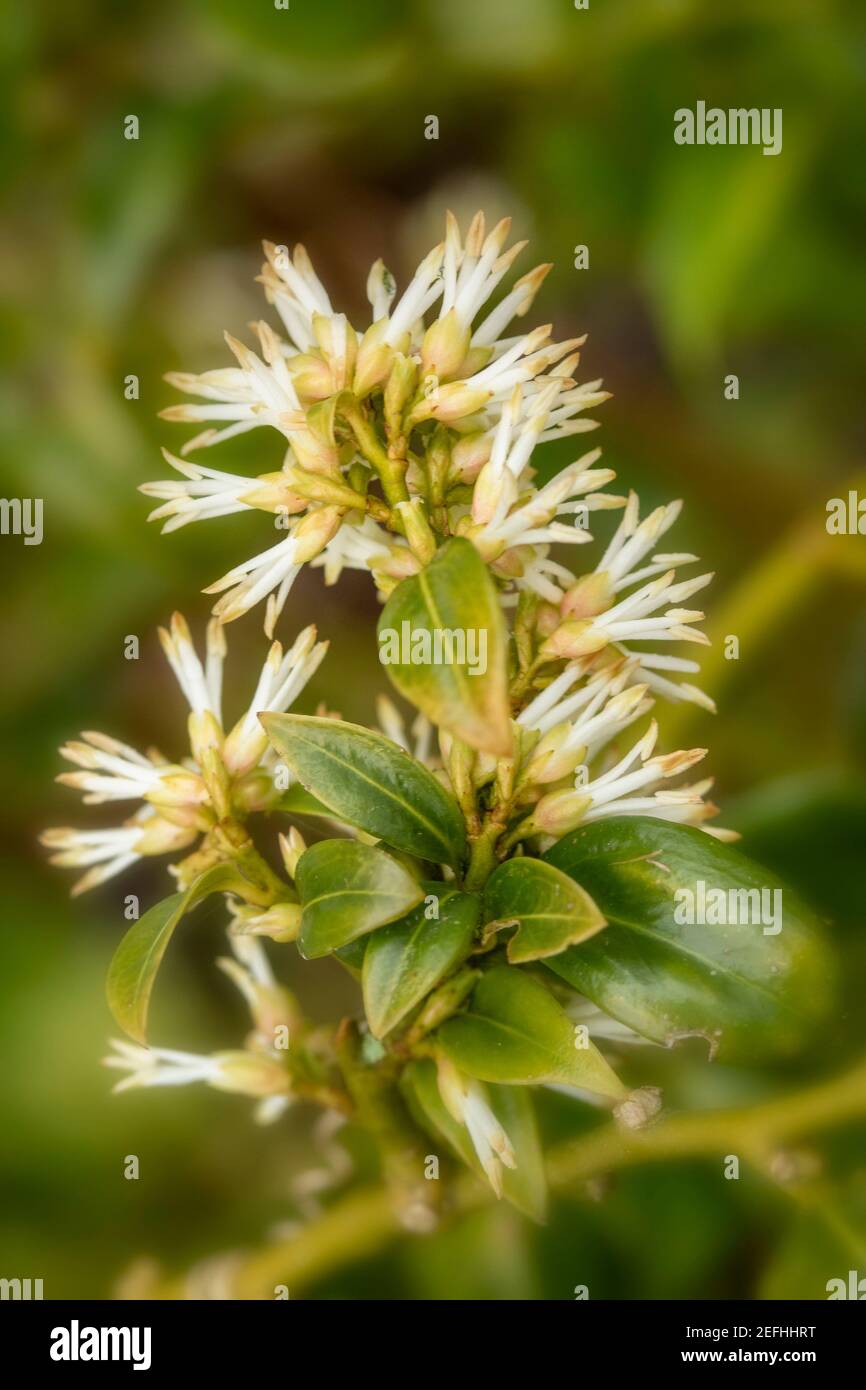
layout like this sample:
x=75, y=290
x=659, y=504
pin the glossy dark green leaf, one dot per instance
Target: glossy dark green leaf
x=525, y=1186
x=407, y=959
x=551, y=910
x=515, y=1032
x=747, y=991
x=348, y=889
x=443, y=642
x=366, y=780
x=136, y=961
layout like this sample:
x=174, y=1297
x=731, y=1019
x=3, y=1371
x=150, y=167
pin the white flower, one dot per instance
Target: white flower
x=254, y=393
x=592, y=619
x=271, y=1006
x=109, y=852
x=613, y=793
x=209, y=493
x=113, y=771
x=242, y=1072
x=467, y=1103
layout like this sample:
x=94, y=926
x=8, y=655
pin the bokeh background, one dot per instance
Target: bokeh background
x=126, y=257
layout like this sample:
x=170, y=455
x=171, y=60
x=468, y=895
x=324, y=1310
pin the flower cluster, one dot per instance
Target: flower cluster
x=404, y=440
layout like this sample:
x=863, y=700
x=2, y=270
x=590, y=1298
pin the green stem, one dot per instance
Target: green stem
x=360, y=1225
x=391, y=471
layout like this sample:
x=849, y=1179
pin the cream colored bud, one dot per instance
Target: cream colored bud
x=494, y=488
x=250, y=1074
x=546, y=619
x=314, y=453
x=312, y=534
x=160, y=836
x=292, y=846
x=400, y=386
x=571, y=639
x=449, y=403
x=559, y=812
x=311, y=376
x=374, y=359
x=397, y=562
x=179, y=789
x=469, y=456
x=272, y=492
x=339, y=343
x=591, y=595
x=552, y=758
x=445, y=345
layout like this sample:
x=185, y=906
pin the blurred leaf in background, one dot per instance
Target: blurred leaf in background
x=130, y=257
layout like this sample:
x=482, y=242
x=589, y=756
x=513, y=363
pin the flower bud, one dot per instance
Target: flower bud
x=449, y=403
x=572, y=639
x=445, y=345
x=587, y=598
x=292, y=846
x=552, y=757
x=250, y=1074
x=559, y=812
x=311, y=376
x=312, y=534
x=469, y=456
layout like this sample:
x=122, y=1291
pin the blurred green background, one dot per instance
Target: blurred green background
x=126, y=257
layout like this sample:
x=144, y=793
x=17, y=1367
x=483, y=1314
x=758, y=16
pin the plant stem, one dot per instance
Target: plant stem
x=364, y=1222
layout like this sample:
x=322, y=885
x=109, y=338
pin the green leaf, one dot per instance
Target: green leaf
x=298, y=801
x=443, y=642
x=137, y=959
x=550, y=910
x=352, y=956
x=515, y=1032
x=348, y=889
x=404, y=961
x=746, y=991
x=366, y=780
x=524, y=1186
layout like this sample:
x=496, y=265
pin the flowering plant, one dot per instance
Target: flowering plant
x=504, y=875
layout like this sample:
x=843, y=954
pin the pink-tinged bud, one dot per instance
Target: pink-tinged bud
x=272, y=492
x=445, y=345
x=311, y=376
x=468, y=457
x=312, y=534
x=313, y=453
x=511, y=563
x=587, y=598
x=559, y=812
x=547, y=619
x=571, y=639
